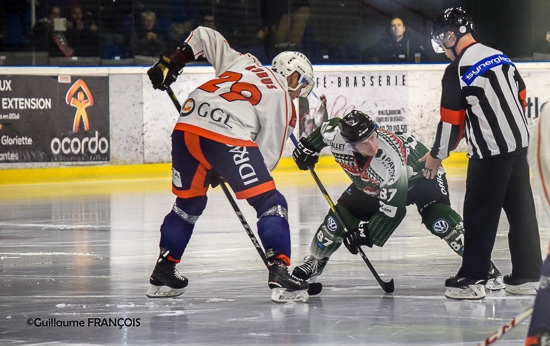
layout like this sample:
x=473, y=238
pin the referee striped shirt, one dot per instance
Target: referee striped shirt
x=483, y=100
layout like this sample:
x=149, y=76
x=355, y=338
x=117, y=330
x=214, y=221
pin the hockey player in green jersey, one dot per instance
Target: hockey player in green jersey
x=386, y=177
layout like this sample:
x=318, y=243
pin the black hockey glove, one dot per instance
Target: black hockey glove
x=304, y=156
x=167, y=69
x=357, y=237
x=215, y=179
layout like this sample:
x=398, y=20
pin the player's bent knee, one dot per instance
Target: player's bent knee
x=440, y=219
x=271, y=203
x=328, y=237
x=189, y=209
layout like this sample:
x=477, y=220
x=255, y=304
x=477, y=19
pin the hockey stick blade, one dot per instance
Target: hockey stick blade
x=389, y=286
x=507, y=327
x=314, y=288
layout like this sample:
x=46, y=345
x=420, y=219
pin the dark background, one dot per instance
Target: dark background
x=336, y=31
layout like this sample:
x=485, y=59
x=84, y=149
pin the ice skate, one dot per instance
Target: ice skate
x=520, y=286
x=311, y=269
x=166, y=281
x=284, y=287
x=464, y=288
x=495, y=281
x=544, y=338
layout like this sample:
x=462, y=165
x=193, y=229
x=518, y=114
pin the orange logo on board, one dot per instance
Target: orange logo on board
x=81, y=101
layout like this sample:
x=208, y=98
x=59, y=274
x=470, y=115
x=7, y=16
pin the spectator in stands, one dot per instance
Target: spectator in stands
x=543, y=45
x=177, y=33
x=116, y=28
x=286, y=21
x=82, y=31
x=46, y=37
x=396, y=45
x=243, y=24
x=15, y=26
x=208, y=21
x=2, y=27
x=147, y=40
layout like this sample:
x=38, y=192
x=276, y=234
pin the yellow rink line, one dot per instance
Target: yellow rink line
x=454, y=165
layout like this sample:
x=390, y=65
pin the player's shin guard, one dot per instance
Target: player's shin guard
x=327, y=239
x=175, y=232
x=441, y=220
x=273, y=228
x=178, y=225
x=329, y=235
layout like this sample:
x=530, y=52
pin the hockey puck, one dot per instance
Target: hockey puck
x=314, y=288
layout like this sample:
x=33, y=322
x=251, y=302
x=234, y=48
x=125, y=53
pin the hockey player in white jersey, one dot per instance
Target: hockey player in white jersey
x=539, y=160
x=234, y=125
x=386, y=177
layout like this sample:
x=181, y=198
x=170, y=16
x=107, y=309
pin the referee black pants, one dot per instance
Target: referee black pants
x=493, y=185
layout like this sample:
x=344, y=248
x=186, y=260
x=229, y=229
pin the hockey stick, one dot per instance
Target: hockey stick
x=507, y=327
x=388, y=287
x=314, y=288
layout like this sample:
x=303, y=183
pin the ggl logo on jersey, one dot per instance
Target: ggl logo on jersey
x=188, y=107
x=80, y=97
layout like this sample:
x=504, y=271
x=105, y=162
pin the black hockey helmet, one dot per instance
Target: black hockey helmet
x=455, y=20
x=356, y=126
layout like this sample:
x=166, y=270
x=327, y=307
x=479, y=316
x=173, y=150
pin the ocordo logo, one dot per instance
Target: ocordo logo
x=80, y=97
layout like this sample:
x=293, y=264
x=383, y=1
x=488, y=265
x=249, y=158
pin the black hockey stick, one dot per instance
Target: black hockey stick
x=314, y=288
x=386, y=286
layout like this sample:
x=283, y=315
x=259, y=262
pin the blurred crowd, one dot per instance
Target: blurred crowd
x=125, y=29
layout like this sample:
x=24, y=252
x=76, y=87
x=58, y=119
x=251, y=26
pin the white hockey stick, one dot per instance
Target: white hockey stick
x=507, y=327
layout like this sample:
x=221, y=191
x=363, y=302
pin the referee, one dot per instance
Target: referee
x=483, y=99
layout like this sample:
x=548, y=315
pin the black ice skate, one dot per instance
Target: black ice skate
x=165, y=280
x=464, y=288
x=284, y=287
x=495, y=281
x=311, y=269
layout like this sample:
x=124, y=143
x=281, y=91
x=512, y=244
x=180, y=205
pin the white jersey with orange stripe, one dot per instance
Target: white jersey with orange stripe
x=247, y=104
x=539, y=156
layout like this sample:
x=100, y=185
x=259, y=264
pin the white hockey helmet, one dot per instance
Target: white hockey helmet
x=288, y=62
